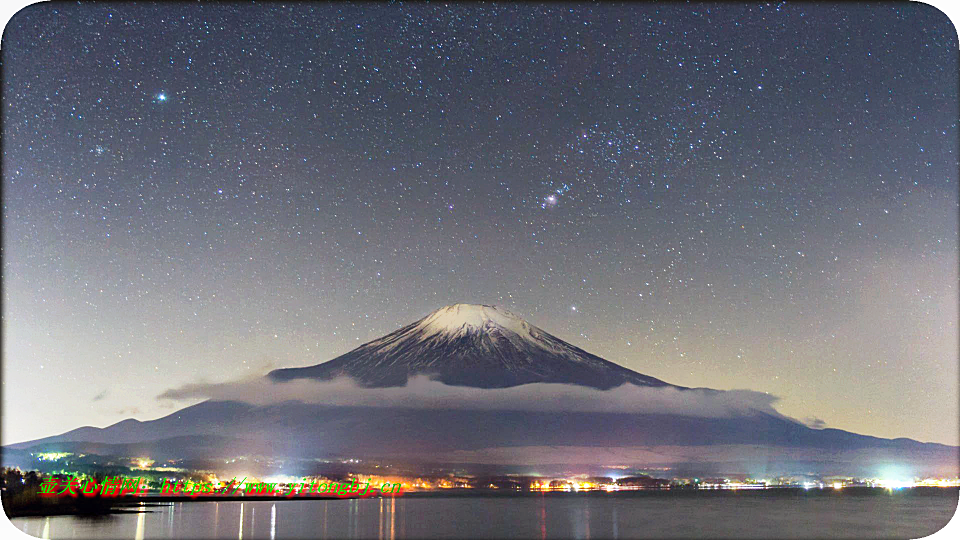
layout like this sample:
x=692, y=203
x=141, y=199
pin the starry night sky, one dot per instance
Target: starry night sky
x=728, y=196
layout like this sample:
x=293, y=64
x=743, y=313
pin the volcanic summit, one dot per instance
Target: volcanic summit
x=471, y=345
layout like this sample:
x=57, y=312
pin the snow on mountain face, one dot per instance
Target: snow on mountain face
x=458, y=319
x=471, y=345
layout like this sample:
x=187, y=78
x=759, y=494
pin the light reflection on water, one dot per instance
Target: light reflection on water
x=538, y=516
x=273, y=521
x=141, y=519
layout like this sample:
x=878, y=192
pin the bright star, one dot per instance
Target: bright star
x=161, y=97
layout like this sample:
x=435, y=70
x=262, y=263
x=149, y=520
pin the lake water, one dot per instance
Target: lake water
x=905, y=514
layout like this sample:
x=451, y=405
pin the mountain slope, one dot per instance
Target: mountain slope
x=224, y=430
x=471, y=345
x=486, y=347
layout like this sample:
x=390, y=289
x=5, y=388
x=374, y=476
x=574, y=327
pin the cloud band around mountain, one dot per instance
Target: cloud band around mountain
x=423, y=393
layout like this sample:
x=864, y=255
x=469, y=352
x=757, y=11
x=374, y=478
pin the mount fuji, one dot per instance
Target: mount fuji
x=471, y=345
x=487, y=351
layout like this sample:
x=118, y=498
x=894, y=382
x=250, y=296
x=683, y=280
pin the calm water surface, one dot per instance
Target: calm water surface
x=553, y=515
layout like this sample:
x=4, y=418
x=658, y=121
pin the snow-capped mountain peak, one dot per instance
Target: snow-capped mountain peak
x=471, y=345
x=459, y=319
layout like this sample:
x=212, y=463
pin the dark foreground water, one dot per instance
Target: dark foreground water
x=899, y=514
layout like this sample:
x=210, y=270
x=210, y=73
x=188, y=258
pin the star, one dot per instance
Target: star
x=161, y=97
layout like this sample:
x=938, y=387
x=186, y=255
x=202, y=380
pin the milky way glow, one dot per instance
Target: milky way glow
x=756, y=196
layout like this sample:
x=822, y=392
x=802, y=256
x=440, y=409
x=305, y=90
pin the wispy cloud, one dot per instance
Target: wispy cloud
x=422, y=392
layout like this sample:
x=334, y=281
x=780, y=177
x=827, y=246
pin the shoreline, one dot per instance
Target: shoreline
x=133, y=505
